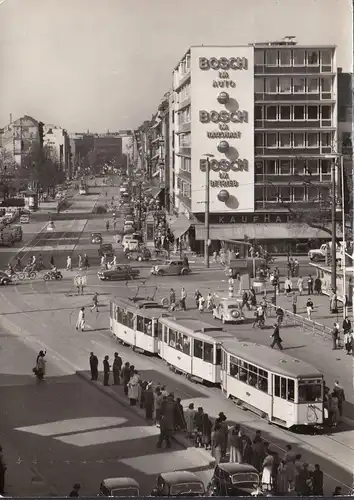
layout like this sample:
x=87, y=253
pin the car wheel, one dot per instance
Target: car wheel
x=160, y=272
x=5, y=282
x=315, y=258
x=184, y=272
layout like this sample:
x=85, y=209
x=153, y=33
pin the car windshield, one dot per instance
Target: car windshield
x=186, y=489
x=125, y=492
x=245, y=479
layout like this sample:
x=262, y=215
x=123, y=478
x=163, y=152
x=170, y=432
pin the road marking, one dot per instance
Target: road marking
x=105, y=436
x=69, y=426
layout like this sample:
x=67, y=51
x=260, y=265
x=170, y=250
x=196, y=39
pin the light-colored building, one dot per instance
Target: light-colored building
x=19, y=137
x=265, y=118
x=57, y=142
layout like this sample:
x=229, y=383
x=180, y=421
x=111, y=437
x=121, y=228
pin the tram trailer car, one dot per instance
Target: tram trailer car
x=135, y=323
x=192, y=347
x=285, y=390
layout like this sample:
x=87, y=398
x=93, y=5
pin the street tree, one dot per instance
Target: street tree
x=44, y=171
x=12, y=175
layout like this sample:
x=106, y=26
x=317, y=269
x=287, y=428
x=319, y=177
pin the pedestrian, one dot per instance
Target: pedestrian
x=114, y=224
x=80, y=263
x=189, y=417
x=317, y=481
x=217, y=442
x=149, y=402
x=40, y=365
x=3, y=469
x=296, y=267
x=337, y=492
x=197, y=296
x=201, y=304
x=133, y=388
x=183, y=299
x=86, y=262
x=198, y=426
x=338, y=391
x=310, y=285
x=303, y=484
x=80, y=324
x=106, y=370
x=348, y=342
x=95, y=302
x=225, y=430
x=282, y=479
x=69, y=266
x=158, y=399
x=172, y=305
x=333, y=304
x=83, y=283
x=318, y=286
x=206, y=431
x=335, y=336
x=180, y=422
x=126, y=377
x=300, y=285
x=288, y=286
x=51, y=261
x=294, y=302
x=210, y=302
x=346, y=325
x=117, y=368
x=277, y=340
x=289, y=456
x=267, y=468
x=75, y=491
x=94, y=366
x=309, y=308
x=165, y=433
x=236, y=445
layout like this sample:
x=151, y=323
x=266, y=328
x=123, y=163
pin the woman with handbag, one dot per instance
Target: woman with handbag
x=39, y=369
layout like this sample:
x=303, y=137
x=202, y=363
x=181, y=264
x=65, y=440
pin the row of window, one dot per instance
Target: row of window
x=292, y=85
x=288, y=140
x=297, y=112
x=140, y=323
x=184, y=66
x=286, y=194
x=184, y=187
x=186, y=164
x=294, y=57
x=183, y=94
x=185, y=140
x=310, y=166
x=182, y=342
x=250, y=374
x=184, y=116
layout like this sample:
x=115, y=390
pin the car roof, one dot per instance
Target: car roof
x=114, y=482
x=234, y=468
x=177, y=477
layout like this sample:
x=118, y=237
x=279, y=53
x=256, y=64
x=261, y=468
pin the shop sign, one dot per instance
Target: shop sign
x=239, y=218
x=223, y=116
x=223, y=63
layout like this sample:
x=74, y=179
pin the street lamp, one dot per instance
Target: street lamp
x=207, y=203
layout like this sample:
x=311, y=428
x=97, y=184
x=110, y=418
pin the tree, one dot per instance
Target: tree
x=43, y=170
x=12, y=175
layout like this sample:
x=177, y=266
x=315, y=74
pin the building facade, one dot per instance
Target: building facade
x=20, y=136
x=262, y=119
x=57, y=142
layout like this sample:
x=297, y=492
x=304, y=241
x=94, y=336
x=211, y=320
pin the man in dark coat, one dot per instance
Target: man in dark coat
x=117, y=367
x=94, y=366
x=276, y=338
x=106, y=370
x=149, y=402
x=347, y=325
x=126, y=376
x=165, y=432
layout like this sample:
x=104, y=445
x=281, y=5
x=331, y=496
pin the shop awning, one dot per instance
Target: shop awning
x=259, y=231
x=180, y=226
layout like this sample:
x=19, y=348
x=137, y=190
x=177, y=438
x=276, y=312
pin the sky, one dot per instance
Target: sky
x=106, y=64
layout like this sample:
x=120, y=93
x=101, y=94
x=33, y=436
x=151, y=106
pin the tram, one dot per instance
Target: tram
x=192, y=347
x=135, y=323
x=286, y=391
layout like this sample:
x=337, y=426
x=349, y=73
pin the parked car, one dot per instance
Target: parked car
x=170, y=268
x=17, y=232
x=140, y=254
x=119, y=273
x=234, y=480
x=178, y=483
x=24, y=219
x=96, y=238
x=106, y=249
x=6, y=239
x=5, y=279
x=119, y=487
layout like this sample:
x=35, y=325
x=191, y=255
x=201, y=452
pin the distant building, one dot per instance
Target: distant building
x=19, y=136
x=57, y=142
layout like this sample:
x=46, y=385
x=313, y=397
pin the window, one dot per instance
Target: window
x=326, y=58
x=259, y=57
x=145, y=326
x=326, y=166
x=299, y=140
x=312, y=167
x=272, y=193
x=312, y=194
x=285, y=113
x=271, y=112
x=312, y=112
x=285, y=57
x=312, y=140
x=271, y=140
x=310, y=391
x=284, y=388
x=284, y=194
x=208, y=352
x=326, y=84
x=285, y=139
x=312, y=58
x=198, y=349
x=172, y=338
x=285, y=167
x=271, y=57
x=258, y=140
x=298, y=193
x=285, y=85
x=259, y=85
x=299, y=112
x=326, y=112
x=165, y=335
x=271, y=85
x=249, y=374
x=326, y=139
x=299, y=85
x=312, y=85
x=299, y=57
x=159, y=330
x=270, y=167
x=186, y=345
x=299, y=166
x=258, y=112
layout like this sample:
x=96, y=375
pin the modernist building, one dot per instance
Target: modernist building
x=56, y=141
x=265, y=119
x=20, y=136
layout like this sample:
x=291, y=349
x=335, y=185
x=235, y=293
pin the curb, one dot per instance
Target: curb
x=181, y=440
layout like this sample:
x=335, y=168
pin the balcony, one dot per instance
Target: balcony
x=183, y=128
x=184, y=151
x=183, y=174
x=293, y=125
x=266, y=97
x=293, y=70
x=183, y=104
x=180, y=81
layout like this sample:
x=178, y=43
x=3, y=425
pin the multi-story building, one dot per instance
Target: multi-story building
x=262, y=119
x=56, y=141
x=19, y=137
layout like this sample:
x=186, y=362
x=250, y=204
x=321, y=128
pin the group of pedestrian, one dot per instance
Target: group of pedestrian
x=333, y=404
x=82, y=263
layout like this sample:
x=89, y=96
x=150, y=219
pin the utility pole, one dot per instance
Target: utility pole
x=334, y=227
x=207, y=207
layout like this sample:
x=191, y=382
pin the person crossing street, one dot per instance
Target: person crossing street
x=277, y=340
x=95, y=302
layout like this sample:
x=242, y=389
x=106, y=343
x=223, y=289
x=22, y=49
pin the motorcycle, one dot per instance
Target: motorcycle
x=52, y=275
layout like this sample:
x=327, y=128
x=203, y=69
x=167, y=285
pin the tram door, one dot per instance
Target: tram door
x=223, y=372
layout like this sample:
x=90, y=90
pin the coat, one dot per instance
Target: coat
x=133, y=387
x=189, y=418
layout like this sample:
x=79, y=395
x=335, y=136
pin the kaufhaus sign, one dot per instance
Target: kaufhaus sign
x=222, y=125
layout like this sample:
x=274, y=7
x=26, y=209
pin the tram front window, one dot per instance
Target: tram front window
x=310, y=392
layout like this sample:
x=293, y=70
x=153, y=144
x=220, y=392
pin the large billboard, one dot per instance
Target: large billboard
x=222, y=125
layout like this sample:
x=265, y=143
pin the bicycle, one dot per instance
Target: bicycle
x=28, y=274
x=15, y=276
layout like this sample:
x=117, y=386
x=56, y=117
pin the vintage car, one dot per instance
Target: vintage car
x=96, y=238
x=24, y=219
x=234, y=480
x=228, y=310
x=119, y=273
x=5, y=279
x=106, y=249
x=178, y=483
x=140, y=254
x=170, y=268
x=119, y=487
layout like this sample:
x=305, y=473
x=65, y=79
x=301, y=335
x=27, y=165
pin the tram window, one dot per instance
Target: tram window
x=130, y=320
x=234, y=367
x=159, y=330
x=172, y=338
x=165, y=334
x=140, y=323
x=291, y=390
x=220, y=357
x=208, y=352
x=198, y=349
x=179, y=341
x=277, y=386
x=309, y=392
x=262, y=381
x=186, y=346
x=283, y=388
